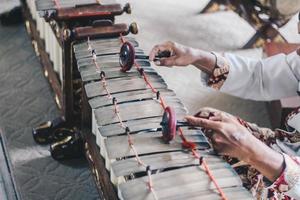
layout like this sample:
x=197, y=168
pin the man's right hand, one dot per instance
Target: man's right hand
x=230, y=138
x=180, y=55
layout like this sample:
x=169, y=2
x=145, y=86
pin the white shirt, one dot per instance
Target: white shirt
x=267, y=79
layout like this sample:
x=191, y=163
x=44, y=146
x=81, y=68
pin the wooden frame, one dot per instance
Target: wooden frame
x=44, y=57
x=96, y=162
x=266, y=29
x=62, y=29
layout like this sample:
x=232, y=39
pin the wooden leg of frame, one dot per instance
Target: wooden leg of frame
x=265, y=34
x=256, y=40
x=213, y=6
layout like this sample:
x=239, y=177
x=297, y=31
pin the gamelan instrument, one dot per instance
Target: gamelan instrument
x=64, y=22
x=131, y=124
x=131, y=114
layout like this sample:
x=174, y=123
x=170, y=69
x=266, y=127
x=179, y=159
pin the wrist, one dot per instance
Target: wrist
x=254, y=150
x=203, y=60
x=267, y=161
x=248, y=148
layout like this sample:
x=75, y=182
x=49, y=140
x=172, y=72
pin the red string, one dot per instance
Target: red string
x=204, y=163
x=105, y=87
x=162, y=102
x=146, y=79
x=57, y=4
x=150, y=184
x=103, y=79
x=122, y=39
x=186, y=144
x=117, y=112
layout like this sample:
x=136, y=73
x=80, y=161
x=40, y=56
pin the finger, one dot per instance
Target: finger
x=208, y=133
x=216, y=138
x=169, y=62
x=217, y=146
x=153, y=52
x=207, y=112
x=199, y=113
x=159, y=48
x=205, y=123
x=203, y=114
x=209, y=109
x=216, y=118
x=222, y=116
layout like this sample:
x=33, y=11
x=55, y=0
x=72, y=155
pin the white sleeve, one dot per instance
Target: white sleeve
x=267, y=79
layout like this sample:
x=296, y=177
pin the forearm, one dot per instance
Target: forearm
x=267, y=161
x=203, y=60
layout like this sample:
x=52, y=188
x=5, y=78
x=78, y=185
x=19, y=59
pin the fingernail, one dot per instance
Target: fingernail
x=157, y=62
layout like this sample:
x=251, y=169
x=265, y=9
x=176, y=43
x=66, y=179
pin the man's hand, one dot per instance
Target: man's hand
x=183, y=56
x=231, y=138
x=180, y=55
x=227, y=135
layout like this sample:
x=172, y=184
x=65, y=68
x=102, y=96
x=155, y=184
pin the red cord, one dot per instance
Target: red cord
x=186, y=144
x=206, y=167
x=162, y=102
x=123, y=40
x=117, y=112
x=146, y=79
x=57, y=4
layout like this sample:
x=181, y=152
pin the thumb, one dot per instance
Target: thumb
x=169, y=62
x=205, y=123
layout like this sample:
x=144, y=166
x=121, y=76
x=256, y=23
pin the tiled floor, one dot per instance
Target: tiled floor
x=25, y=101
